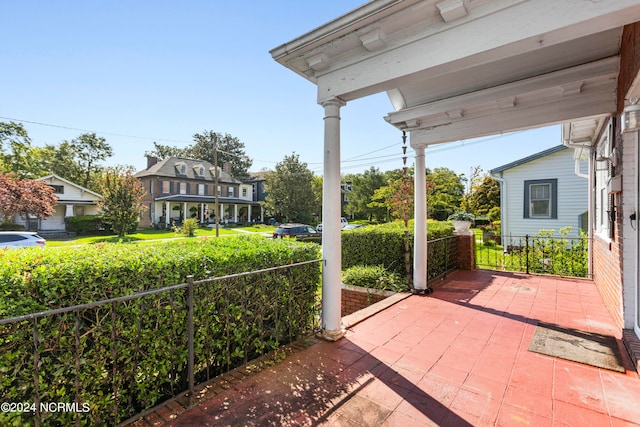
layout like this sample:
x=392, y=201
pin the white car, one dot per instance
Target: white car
x=15, y=239
x=343, y=222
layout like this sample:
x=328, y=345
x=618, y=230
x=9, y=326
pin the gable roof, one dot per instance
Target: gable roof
x=53, y=176
x=528, y=159
x=167, y=168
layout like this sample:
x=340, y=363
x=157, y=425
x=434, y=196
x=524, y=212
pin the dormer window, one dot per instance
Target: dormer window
x=181, y=168
x=199, y=170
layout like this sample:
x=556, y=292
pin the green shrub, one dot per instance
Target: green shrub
x=374, y=277
x=188, y=227
x=85, y=224
x=385, y=244
x=11, y=226
x=235, y=319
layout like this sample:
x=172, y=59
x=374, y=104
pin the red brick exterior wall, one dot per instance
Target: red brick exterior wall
x=629, y=61
x=607, y=275
x=466, y=251
x=353, y=301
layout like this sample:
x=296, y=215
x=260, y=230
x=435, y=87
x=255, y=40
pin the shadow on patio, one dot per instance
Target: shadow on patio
x=457, y=358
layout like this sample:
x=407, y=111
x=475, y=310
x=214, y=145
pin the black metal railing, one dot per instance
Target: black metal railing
x=442, y=256
x=110, y=360
x=540, y=254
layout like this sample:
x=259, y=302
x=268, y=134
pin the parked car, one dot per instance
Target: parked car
x=15, y=239
x=351, y=227
x=343, y=221
x=299, y=231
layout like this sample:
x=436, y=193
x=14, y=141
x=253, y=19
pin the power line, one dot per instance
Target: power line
x=93, y=131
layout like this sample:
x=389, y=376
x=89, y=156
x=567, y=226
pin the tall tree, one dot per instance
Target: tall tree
x=290, y=191
x=363, y=186
x=483, y=195
x=162, y=151
x=15, y=150
x=445, y=190
x=121, y=203
x=316, y=186
x=230, y=149
x=90, y=149
x=25, y=197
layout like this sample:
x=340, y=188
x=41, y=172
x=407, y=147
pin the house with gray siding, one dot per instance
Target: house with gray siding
x=544, y=191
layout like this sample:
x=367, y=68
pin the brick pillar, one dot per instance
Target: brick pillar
x=466, y=249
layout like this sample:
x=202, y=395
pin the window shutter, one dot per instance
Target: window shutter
x=188, y=188
x=171, y=187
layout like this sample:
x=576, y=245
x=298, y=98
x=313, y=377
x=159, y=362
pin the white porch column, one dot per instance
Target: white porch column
x=420, y=226
x=331, y=243
x=68, y=211
x=235, y=212
x=167, y=216
x=201, y=213
x=185, y=213
x=249, y=213
x=261, y=213
x=221, y=216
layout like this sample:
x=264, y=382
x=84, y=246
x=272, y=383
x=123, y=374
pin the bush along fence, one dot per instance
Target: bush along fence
x=384, y=245
x=540, y=254
x=111, y=359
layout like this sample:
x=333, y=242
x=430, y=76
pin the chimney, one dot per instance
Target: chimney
x=151, y=160
x=227, y=167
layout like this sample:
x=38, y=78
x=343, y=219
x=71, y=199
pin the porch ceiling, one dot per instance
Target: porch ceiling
x=457, y=69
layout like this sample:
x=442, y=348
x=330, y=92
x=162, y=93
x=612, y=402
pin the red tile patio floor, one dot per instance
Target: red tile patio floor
x=456, y=358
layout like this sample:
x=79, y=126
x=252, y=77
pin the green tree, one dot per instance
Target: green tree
x=290, y=191
x=363, y=187
x=445, y=190
x=164, y=151
x=230, y=149
x=317, y=188
x=483, y=195
x=121, y=203
x=16, y=150
x=90, y=149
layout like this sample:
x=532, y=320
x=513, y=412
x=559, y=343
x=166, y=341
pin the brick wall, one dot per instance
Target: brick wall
x=607, y=275
x=355, y=298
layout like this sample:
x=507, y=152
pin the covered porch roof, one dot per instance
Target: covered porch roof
x=458, y=69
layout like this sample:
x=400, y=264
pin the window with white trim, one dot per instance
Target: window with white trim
x=166, y=187
x=183, y=188
x=541, y=199
x=200, y=189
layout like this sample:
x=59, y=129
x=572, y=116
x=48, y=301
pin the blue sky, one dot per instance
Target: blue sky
x=142, y=71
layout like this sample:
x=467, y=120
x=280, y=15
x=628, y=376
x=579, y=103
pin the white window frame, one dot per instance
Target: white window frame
x=182, y=188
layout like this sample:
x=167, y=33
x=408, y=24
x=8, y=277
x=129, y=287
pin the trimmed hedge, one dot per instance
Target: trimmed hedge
x=374, y=277
x=85, y=224
x=235, y=319
x=11, y=226
x=384, y=244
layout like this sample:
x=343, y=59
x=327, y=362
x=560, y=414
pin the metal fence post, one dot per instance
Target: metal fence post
x=526, y=252
x=36, y=374
x=190, y=338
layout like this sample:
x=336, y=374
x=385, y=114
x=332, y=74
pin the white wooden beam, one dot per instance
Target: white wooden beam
x=524, y=26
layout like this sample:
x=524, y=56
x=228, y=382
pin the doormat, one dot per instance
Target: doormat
x=579, y=346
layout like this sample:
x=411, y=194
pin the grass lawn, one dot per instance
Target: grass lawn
x=142, y=235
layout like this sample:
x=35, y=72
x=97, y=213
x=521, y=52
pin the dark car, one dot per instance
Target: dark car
x=299, y=231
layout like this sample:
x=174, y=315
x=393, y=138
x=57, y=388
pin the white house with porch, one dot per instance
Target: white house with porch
x=73, y=200
x=460, y=69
